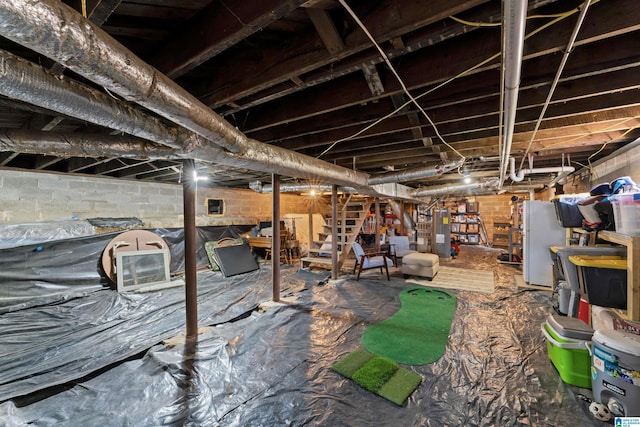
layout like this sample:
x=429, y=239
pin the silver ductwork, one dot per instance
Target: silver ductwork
x=259, y=187
x=414, y=174
x=30, y=83
x=437, y=190
x=57, y=31
x=82, y=145
x=407, y=221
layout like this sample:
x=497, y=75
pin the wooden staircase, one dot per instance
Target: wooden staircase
x=351, y=216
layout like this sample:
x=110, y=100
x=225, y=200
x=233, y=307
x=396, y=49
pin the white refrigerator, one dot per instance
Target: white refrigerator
x=541, y=230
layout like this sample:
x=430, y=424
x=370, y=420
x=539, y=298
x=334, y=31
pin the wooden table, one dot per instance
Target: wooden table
x=291, y=246
x=260, y=242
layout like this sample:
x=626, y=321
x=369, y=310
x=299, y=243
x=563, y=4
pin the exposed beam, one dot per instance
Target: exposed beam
x=280, y=65
x=326, y=30
x=218, y=27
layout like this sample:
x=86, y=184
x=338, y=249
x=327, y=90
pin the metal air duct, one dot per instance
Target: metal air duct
x=406, y=218
x=79, y=145
x=31, y=83
x=414, y=174
x=437, y=190
x=59, y=32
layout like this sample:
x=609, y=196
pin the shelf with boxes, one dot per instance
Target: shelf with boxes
x=465, y=228
x=501, y=233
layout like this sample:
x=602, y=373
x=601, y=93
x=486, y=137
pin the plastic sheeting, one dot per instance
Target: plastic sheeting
x=19, y=234
x=273, y=368
x=47, y=272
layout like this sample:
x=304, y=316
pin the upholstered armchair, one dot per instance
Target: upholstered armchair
x=368, y=260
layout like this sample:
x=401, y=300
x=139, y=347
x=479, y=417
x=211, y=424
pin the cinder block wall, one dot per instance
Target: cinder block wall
x=27, y=196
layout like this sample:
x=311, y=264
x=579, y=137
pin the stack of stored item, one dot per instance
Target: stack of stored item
x=613, y=207
x=606, y=360
x=569, y=271
x=602, y=279
x=615, y=371
x=567, y=340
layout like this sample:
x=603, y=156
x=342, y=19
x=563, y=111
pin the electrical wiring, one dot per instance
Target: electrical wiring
x=557, y=18
x=395, y=73
x=565, y=57
x=475, y=24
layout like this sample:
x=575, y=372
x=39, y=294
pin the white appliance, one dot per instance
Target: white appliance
x=541, y=231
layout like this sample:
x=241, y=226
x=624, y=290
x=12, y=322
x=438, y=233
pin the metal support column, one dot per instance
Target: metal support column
x=334, y=232
x=189, y=208
x=275, y=238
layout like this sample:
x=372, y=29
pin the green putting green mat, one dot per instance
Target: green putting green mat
x=417, y=334
x=378, y=375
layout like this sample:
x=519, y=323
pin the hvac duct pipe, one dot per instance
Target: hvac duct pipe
x=31, y=83
x=57, y=31
x=27, y=82
x=64, y=35
x=437, y=190
x=79, y=145
x=414, y=174
x=520, y=175
x=407, y=221
x=515, y=16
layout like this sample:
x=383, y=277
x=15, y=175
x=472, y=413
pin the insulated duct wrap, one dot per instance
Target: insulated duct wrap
x=57, y=31
x=438, y=190
x=81, y=145
x=407, y=221
x=31, y=83
x=414, y=174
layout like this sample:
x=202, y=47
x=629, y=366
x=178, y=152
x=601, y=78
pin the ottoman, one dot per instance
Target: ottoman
x=419, y=264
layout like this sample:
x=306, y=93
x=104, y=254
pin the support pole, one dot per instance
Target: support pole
x=310, y=227
x=377, y=224
x=275, y=238
x=334, y=232
x=190, y=278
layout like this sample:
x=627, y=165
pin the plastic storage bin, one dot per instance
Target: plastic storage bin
x=615, y=371
x=626, y=212
x=603, y=279
x=567, y=211
x=567, y=340
x=570, y=271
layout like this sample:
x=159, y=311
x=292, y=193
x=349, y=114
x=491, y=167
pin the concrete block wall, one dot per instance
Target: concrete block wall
x=27, y=196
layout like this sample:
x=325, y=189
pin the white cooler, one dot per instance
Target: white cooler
x=615, y=371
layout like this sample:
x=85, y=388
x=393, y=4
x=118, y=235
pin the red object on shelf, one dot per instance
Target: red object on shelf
x=583, y=312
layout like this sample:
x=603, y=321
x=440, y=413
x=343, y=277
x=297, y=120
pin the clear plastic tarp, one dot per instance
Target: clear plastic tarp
x=19, y=234
x=272, y=367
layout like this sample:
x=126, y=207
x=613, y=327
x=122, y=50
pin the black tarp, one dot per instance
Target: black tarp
x=56, y=270
x=272, y=368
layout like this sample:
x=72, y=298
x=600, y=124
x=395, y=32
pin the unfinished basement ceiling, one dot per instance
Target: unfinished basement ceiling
x=303, y=76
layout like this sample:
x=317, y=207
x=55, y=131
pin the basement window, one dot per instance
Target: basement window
x=215, y=206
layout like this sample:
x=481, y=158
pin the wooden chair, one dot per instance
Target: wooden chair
x=368, y=260
x=284, y=254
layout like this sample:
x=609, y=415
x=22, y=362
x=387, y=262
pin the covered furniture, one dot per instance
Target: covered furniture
x=367, y=260
x=399, y=247
x=419, y=264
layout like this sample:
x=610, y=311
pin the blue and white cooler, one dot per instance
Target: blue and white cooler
x=615, y=371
